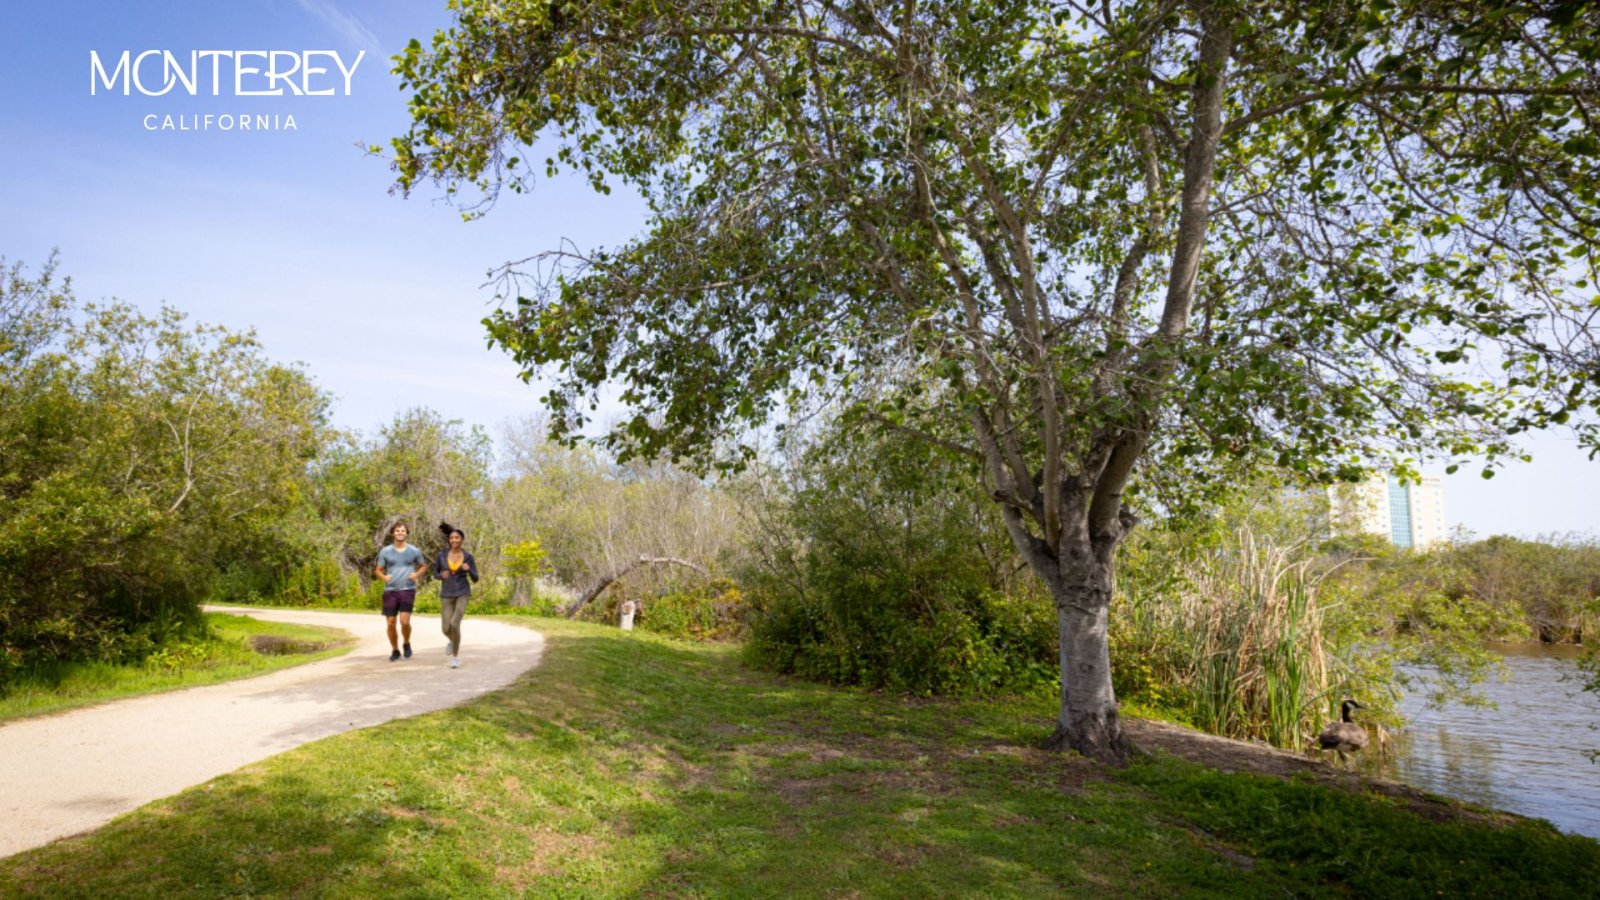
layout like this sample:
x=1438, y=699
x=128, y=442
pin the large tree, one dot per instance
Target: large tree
x=1064, y=238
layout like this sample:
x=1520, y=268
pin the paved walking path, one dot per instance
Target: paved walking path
x=70, y=773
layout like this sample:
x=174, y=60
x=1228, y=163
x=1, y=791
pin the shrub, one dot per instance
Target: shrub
x=876, y=628
x=713, y=611
x=882, y=566
x=142, y=454
x=321, y=582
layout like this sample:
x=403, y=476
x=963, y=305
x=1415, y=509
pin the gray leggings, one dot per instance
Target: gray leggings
x=451, y=609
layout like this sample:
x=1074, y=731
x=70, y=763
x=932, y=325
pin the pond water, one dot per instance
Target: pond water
x=1529, y=756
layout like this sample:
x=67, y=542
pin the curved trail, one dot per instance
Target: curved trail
x=69, y=773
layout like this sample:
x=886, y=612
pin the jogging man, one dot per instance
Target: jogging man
x=400, y=565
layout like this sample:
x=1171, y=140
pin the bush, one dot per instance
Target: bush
x=714, y=611
x=321, y=582
x=142, y=455
x=932, y=639
x=884, y=567
x=505, y=595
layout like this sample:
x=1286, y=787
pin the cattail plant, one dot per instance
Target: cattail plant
x=1241, y=640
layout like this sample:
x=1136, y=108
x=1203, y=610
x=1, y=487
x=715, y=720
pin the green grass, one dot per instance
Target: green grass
x=632, y=765
x=223, y=655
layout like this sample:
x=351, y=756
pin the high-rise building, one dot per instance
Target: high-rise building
x=1408, y=514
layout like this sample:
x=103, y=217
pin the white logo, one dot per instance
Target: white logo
x=249, y=73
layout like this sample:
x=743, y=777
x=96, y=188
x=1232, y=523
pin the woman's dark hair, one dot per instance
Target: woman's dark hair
x=446, y=529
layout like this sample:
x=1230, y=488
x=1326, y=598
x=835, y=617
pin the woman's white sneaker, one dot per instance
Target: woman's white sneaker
x=455, y=662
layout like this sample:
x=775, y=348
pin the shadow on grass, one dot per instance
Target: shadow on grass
x=243, y=834
x=749, y=785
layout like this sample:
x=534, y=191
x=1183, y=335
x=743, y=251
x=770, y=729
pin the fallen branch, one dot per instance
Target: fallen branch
x=604, y=581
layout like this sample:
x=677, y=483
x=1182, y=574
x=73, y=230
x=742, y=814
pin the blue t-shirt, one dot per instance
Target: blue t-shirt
x=398, y=565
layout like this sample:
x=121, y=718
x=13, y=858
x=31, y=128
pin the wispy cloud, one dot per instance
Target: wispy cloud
x=347, y=26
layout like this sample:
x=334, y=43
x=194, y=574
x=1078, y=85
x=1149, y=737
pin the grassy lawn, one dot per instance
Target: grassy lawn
x=226, y=655
x=631, y=765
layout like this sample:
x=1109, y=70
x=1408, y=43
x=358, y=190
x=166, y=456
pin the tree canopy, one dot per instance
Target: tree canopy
x=1062, y=240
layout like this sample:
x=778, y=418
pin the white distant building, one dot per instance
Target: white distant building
x=1410, y=515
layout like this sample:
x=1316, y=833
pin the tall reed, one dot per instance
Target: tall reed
x=1237, y=641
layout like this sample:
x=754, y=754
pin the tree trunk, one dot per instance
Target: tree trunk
x=1088, y=720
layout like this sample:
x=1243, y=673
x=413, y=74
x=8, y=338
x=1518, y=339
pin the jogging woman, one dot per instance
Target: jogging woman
x=454, y=568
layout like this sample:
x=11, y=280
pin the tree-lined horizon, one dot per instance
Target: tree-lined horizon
x=1071, y=242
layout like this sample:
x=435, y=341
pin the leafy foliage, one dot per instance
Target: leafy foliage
x=879, y=565
x=1551, y=585
x=591, y=514
x=1246, y=230
x=713, y=611
x=540, y=518
x=138, y=457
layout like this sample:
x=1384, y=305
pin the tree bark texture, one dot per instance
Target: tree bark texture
x=1088, y=720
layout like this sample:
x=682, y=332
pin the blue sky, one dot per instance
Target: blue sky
x=294, y=233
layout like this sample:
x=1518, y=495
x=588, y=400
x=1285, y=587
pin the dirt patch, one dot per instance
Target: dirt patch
x=803, y=749
x=278, y=645
x=798, y=792
x=1222, y=754
x=548, y=854
x=395, y=811
x=1068, y=771
x=902, y=857
x=1228, y=755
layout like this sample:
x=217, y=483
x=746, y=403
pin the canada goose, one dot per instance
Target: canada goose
x=1344, y=736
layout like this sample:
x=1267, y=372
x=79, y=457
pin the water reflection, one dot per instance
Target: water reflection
x=1529, y=756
